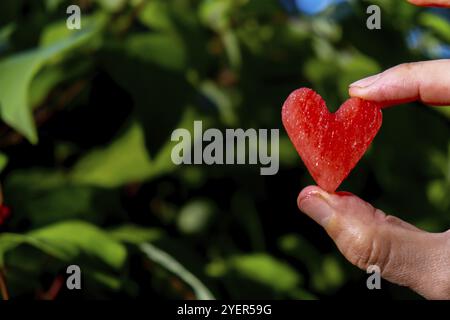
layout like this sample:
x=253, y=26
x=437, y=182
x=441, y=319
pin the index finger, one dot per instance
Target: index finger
x=427, y=81
x=431, y=3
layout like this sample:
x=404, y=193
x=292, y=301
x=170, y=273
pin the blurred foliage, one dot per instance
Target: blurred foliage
x=85, y=144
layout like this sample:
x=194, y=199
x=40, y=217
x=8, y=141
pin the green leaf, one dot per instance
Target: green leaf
x=221, y=99
x=161, y=49
x=16, y=75
x=47, y=196
x=444, y=111
x=266, y=270
x=439, y=25
x=53, y=4
x=50, y=76
x=5, y=34
x=135, y=234
x=126, y=159
x=216, y=14
x=3, y=161
x=112, y=5
x=9, y=241
x=151, y=67
x=437, y=192
x=155, y=15
x=195, y=216
x=168, y=262
x=256, y=275
x=72, y=238
x=67, y=241
x=232, y=48
x=110, y=281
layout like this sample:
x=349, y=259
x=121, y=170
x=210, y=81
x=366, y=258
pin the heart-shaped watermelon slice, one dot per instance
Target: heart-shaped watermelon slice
x=330, y=144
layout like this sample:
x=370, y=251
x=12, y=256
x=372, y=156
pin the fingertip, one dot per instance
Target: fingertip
x=311, y=191
x=356, y=92
x=430, y=3
x=313, y=201
x=366, y=82
x=370, y=93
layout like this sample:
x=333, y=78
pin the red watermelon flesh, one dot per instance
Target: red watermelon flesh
x=330, y=144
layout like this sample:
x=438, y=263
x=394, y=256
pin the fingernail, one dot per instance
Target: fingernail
x=363, y=83
x=316, y=206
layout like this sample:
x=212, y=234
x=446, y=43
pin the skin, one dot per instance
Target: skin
x=367, y=236
x=433, y=3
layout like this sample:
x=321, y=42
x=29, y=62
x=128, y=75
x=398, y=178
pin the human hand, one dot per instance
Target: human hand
x=427, y=81
x=431, y=3
x=367, y=236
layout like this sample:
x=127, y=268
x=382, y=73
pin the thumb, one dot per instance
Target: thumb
x=366, y=236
